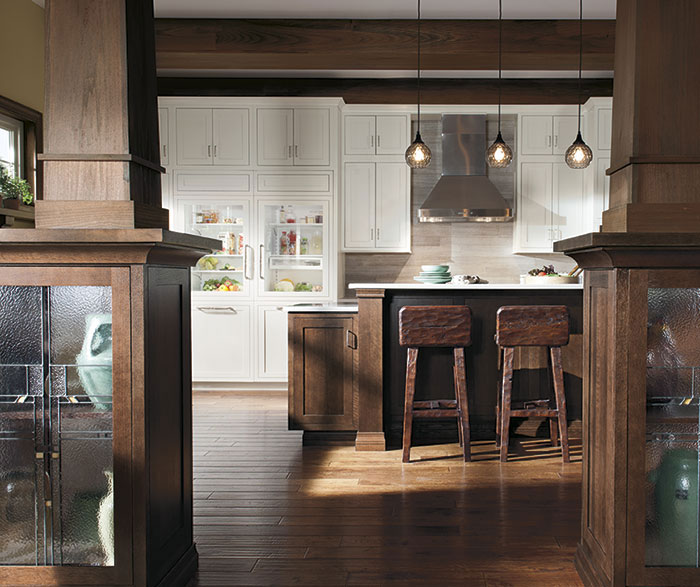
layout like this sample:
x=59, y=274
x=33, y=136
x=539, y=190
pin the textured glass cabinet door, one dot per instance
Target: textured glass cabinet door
x=672, y=430
x=56, y=431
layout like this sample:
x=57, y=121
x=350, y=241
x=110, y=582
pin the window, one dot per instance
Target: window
x=11, y=133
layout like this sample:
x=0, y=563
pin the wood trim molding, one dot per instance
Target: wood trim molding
x=33, y=141
x=366, y=44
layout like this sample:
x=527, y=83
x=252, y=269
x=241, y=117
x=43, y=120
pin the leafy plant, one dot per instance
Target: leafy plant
x=14, y=188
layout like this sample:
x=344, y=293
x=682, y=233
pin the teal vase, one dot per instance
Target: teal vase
x=676, y=498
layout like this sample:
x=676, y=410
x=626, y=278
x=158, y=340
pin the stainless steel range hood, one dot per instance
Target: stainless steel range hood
x=464, y=193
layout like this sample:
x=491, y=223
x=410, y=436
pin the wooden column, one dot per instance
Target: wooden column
x=370, y=429
x=101, y=159
x=655, y=167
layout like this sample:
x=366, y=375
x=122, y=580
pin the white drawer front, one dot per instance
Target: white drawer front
x=214, y=182
x=284, y=183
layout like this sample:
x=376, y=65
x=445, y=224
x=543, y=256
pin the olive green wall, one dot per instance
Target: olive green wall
x=22, y=50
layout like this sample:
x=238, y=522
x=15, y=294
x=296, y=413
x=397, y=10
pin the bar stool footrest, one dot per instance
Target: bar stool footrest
x=534, y=413
x=435, y=414
x=435, y=404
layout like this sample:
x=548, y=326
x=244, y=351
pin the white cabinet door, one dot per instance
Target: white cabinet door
x=604, y=128
x=537, y=135
x=231, y=136
x=535, y=214
x=163, y=133
x=221, y=335
x=275, y=136
x=359, y=205
x=312, y=136
x=359, y=135
x=272, y=343
x=391, y=201
x=392, y=133
x=565, y=129
x=568, y=215
x=193, y=127
x=601, y=191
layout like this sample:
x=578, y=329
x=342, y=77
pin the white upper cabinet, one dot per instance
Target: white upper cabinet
x=604, y=128
x=391, y=190
x=601, y=191
x=359, y=197
x=218, y=136
x=231, y=136
x=547, y=135
x=163, y=134
x=568, y=214
x=294, y=136
x=376, y=135
x=535, y=207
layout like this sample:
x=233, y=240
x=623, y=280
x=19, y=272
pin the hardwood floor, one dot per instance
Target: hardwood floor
x=269, y=512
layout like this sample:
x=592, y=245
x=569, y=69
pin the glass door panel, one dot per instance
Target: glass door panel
x=228, y=270
x=56, y=432
x=672, y=427
x=293, y=250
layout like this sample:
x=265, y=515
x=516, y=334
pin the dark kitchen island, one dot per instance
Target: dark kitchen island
x=382, y=362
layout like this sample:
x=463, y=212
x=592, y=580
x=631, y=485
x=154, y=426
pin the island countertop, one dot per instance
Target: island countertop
x=470, y=286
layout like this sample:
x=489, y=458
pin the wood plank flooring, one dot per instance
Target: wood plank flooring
x=271, y=512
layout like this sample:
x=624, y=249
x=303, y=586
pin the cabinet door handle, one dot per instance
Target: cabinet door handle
x=556, y=140
x=245, y=261
x=260, y=261
x=371, y=140
x=217, y=309
x=350, y=339
x=549, y=140
x=165, y=151
x=296, y=150
x=378, y=237
x=289, y=152
x=214, y=151
x=371, y=234
x=379, y=138
x=208, y=150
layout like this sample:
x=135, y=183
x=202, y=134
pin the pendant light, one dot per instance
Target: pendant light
x=579, y=154
x=499, y=154
x=418, y=154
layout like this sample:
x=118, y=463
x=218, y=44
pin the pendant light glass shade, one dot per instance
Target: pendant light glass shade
x=418, y=154
x=499, y=154
x=579, y=154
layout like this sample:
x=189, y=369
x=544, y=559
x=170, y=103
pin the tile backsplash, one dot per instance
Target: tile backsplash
x=469, y=248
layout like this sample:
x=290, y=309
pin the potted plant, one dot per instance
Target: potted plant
x=14, y=190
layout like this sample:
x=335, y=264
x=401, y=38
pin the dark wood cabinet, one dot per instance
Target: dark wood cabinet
x=323, y=361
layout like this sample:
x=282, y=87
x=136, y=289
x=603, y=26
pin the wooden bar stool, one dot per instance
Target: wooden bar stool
x=436, y=326
x=532, y=326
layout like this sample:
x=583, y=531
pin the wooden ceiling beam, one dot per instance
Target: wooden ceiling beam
x=308, y=44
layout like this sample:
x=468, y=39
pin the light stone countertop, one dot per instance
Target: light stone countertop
x=473, y=286
x=328, y=308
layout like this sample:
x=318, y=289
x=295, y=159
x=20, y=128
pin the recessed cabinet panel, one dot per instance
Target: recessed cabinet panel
x=604, y=128
x=272, y=343
x=536, y=205
x=163, y=133
x=194, y=136
x=231, y=136
x=568, y=214
x=275, y=136
x=565, y=129
x=601, y=195
x=221, y=341
x=392, y=135
x=359, y=135
x=391, y=223
x=359, y=198
x=537, y=135
x=214, y=182
x=311, y=136
x=320, y=183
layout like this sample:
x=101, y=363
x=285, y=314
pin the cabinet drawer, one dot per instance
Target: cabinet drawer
x=213, y=182
x=285, y=183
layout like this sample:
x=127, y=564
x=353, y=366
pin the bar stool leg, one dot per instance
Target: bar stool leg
x=505, y=401
x=553, y=432
x=456, y=386
x=462, y=403
x=498, y=403
x=558, y=374
x=411, y=362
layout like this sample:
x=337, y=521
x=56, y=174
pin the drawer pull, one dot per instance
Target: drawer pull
x=217, y=309
x=350, y=339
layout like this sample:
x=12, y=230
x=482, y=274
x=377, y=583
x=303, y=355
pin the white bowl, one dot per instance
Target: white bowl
x=549, y=279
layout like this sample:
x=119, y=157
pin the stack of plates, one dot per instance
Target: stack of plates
x=434, y=274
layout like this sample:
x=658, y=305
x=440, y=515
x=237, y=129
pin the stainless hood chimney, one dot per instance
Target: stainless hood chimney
x=464, y=193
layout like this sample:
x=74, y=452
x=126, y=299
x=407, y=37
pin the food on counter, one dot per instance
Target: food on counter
x=303, y=286
x=221, y=284
x=207, y=264
x=317, y=288
x=546, y=270
x=285, y=285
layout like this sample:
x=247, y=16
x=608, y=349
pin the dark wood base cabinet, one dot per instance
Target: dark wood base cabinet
x=641, y=491
x=323, y=367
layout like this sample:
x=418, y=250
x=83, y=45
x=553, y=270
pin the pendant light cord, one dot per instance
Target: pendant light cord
x=500, y=58
x=418, y=128
x=580, y=59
